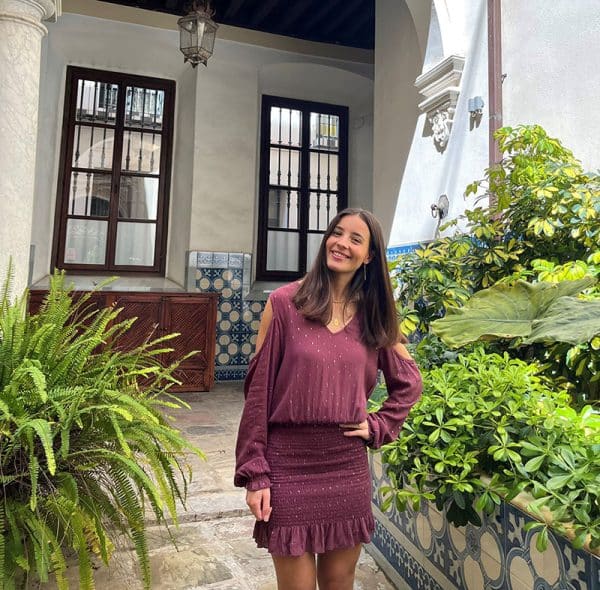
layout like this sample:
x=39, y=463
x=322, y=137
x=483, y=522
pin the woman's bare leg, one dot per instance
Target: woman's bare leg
x=296, y=573
x=335, y=569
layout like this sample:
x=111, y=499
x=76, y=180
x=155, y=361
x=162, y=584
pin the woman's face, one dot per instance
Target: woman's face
x=347, y=248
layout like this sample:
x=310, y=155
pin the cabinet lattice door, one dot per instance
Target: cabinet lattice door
x=192, y=315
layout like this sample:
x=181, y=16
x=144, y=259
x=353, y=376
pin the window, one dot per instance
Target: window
x=112, y=207
x=303, y=182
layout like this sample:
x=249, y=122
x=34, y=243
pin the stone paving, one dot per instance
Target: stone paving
x=214, y=548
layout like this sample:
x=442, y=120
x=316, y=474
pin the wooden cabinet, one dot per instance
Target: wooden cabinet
x=192, y=315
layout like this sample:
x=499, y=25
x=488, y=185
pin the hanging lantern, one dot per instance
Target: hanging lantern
x=197, y=32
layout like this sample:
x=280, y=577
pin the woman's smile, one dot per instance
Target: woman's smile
x=339, y=255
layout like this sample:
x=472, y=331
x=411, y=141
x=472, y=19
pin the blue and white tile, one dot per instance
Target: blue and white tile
x=499, y=555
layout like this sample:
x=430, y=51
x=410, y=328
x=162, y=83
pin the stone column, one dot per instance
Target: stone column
x=21, y=33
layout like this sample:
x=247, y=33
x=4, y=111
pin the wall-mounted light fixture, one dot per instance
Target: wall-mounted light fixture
x=440, y=210
x=475, y=106
x=197, y=33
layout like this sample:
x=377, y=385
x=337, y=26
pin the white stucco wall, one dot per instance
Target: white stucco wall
x=230, y=93
x=101, y=44
x=182, y=178
x=549, y=54
x=214, y=176
x=398, y=61
x=429, y=172
x=224, y=189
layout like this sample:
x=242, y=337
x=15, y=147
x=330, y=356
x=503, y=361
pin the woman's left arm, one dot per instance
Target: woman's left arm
x=404, y=385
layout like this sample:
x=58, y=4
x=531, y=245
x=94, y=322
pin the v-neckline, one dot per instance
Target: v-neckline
x=346, y=325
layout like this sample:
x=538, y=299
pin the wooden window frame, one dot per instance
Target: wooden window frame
x=306, y=107
x=73, y=75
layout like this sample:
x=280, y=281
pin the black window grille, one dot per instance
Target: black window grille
x=114, y=174
x=303, y=182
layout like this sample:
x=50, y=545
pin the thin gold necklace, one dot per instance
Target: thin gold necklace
x=336, y=322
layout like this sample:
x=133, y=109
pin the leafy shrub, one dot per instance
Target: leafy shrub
x=526, y=312
x=547, y=214
x=544, y=198
x=430, y=280
x=577, y=365
x=497, y=419
x=547, y=208
x=84, y=452
x=488, y=427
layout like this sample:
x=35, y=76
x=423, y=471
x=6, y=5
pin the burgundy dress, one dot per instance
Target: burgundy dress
x=302, y=384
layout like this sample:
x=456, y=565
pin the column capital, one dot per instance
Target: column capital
x=30, y=12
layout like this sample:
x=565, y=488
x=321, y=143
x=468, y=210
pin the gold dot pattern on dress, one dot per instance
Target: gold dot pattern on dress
x=302, y=384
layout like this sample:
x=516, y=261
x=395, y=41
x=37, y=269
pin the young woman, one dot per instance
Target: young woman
x=301, y=448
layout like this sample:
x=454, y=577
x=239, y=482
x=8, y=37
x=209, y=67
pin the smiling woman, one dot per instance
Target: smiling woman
x=301, y=450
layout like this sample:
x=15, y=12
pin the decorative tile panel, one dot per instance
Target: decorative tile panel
x=395, y=251
x=411, y=571
x=228, y=273
x=499, y=555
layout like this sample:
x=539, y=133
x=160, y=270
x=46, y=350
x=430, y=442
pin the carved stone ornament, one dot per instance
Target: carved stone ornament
x=440, y=87
x=441, y=123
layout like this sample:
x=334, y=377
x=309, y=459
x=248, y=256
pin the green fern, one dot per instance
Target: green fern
x=85, y=453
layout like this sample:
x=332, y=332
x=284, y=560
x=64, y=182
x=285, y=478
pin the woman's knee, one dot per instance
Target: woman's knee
x=296, y=573
x=336, y=569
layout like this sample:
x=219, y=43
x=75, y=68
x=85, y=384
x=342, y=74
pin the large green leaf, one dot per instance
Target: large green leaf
x=514, y=311
x=567, y=320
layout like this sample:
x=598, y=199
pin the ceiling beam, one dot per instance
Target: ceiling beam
x=326, y=8
x=358, y=23
x=232, y=10
x=265, y=10
x=293, y=14
x=337, y=23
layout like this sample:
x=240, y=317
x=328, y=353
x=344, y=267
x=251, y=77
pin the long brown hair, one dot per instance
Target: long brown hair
x=370, y=287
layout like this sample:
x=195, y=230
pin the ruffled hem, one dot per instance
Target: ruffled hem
x=313, y=538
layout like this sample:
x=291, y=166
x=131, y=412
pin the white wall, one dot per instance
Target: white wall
x=101, y=44
x=182, y=177
x=225, y=156
x=398, y=61
x=214, y=177
x=229, y=92
x=430, y=173
x=549, y=54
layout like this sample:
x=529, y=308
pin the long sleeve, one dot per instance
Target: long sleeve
x=252, y=469
x=404, y=385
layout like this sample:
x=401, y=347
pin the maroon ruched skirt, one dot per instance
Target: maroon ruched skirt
x=320, y=491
